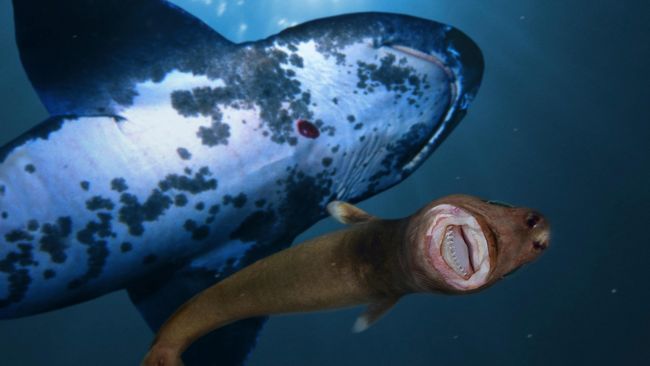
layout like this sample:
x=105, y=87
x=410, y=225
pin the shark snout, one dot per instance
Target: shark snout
x=539, y=228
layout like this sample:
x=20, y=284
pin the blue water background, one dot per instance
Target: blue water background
x=560, y=124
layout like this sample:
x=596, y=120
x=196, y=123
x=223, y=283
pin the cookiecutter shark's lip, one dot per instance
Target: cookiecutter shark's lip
x=462, y=61
x=456, y=248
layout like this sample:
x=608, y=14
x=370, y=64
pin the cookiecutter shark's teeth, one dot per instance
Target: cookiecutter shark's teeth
x=456, y=251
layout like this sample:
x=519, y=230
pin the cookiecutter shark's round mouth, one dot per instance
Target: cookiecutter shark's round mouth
x=457, y=248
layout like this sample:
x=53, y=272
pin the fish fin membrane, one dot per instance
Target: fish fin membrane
x=158, y=297
x=373, y=313
x=85, y=56
x=346, y=213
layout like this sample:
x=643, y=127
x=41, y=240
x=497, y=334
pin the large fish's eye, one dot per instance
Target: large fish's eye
x=499, y=203
x=307, y=129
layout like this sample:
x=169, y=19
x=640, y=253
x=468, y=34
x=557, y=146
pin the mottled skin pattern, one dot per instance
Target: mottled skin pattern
x=185, y=162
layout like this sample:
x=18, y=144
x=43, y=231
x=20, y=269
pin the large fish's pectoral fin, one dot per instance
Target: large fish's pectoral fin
x=346, y=213
x=373, y=313
x=84, y=57
x=160, y=296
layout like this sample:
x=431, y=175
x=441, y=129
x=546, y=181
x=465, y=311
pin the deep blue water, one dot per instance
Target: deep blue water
x=560, y=124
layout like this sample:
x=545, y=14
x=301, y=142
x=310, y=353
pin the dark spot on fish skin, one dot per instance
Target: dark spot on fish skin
x=26, y=259
x=214, y=209
x=119, y=185
x=183, y=153
x=48, y=274
x=18, y=278
x=238, y=201
x=18, y=235
x=5, y=214
x=335, y=100
x=180, y=200
x=93, y=236
x=188, y=171
x=149, y=259
x=389, y=74
x=30, y=168
x=304, y=196
x=53, y=238
x=32, y=225
x=183, y=102
x=100, y=229
x=85, y=185
x=99, y=203
x=255, y=226
x=198, y=232
x=126, y=247
x=217, y=134
x=308, y=129
x=200, y=206
x=260, y=203
x=254, y=78
x=296, y=60
x=3, y=190
x=330, y=130
x=335, y=149
x=134, y=214
x=351, y=118
x=189, y=225
x=19, y=281
x=327, y=161
x=195, y=185
x=358, y=126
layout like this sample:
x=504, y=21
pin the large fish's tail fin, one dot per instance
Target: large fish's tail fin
x=83, y=56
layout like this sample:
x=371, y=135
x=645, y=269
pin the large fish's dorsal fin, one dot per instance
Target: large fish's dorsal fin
x=346, y=213
x=373, y=313
x=84, y=56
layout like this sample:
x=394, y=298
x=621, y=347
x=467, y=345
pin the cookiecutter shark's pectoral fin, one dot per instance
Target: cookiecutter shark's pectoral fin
x=84, y=57
x=346, y=213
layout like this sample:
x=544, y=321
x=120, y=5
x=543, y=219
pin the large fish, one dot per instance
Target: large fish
x=174, y=157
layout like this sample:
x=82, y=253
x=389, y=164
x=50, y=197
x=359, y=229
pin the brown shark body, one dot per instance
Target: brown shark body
x=457, y=244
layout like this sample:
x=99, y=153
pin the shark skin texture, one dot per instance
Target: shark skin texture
x=174, y=157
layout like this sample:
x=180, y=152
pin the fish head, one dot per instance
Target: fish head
x=383, y=92
x=464, y=244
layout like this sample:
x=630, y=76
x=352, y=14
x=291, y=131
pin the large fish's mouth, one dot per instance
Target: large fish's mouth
x=457, y=248
x=434, y=60
x=462, y=62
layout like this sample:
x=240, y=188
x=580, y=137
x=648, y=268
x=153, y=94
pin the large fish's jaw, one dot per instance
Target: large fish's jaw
x=463, y=61
x=456, y=63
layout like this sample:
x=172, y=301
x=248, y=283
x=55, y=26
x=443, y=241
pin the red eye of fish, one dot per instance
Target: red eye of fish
x=308, y=129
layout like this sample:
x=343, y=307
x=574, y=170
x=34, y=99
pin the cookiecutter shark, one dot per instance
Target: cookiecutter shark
x=456, y=245
x=174, y=157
